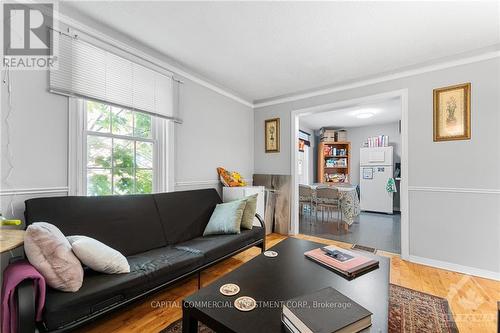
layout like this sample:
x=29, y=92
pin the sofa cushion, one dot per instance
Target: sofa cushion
x=99, y=291
x=109, y=219
x=185, y=214
x=165, y=264
x=217, y=246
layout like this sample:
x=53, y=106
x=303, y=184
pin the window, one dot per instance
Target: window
x=119, y=150
x=121, y=116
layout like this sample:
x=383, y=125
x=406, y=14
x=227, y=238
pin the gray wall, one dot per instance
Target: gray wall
x=38, y=138
x=357, y=135
x=217, y=131
x=442, y=224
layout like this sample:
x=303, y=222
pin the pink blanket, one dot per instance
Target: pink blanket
x=13, y=275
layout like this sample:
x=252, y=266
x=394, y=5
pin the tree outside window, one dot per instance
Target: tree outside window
x=119, y=150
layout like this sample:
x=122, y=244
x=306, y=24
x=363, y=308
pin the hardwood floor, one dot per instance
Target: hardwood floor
x=472, y=299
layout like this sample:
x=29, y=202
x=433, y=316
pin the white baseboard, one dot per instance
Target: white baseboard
x=456, y=267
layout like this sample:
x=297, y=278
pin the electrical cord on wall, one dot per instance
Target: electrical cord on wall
x=7, y=80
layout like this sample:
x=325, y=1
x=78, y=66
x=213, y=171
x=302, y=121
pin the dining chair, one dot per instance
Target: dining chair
x=328, y=198
x=306, y=197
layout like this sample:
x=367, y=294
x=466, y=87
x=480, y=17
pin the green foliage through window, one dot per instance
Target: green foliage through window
x=119, y=150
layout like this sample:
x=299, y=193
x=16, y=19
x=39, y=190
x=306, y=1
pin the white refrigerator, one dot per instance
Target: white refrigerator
x=376, y=167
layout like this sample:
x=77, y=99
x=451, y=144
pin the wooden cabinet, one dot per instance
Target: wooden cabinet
x=334, y=162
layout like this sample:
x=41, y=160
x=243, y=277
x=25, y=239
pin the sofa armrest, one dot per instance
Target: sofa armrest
x=261, y=221
x=25, y=296
x=263, y=225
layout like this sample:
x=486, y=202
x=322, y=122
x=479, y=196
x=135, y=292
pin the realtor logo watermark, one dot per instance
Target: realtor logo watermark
x=28, y=31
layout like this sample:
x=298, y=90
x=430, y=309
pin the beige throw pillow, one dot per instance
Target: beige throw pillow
x=50, y=253
x=98, y=256
x=249, y=212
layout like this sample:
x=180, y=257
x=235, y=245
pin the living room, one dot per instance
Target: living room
x=140, y=138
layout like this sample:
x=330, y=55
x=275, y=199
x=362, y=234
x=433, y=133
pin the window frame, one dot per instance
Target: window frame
x=162, y=138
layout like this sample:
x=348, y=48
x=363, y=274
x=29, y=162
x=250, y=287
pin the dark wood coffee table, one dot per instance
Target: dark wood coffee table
x=272, y=280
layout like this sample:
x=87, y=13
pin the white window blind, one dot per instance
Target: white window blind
x=85, y=70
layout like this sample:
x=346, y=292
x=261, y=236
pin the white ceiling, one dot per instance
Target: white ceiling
x=268, y=49
x=387, y=111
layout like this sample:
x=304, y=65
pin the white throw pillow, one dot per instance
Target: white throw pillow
x=98, y=256
x=50, y=253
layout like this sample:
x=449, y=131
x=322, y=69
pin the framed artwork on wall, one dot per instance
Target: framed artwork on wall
x=452, y=113
x=272, y=135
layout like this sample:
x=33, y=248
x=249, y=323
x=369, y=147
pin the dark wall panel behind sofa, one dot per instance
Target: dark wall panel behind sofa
x=103, y=218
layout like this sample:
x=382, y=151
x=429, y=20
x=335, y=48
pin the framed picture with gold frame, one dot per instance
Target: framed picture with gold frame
x=452, y=113
x=272, y=135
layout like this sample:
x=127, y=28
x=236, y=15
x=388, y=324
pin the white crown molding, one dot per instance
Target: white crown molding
x=456, y=267
x=38, y=190
x=277, y=100
x=421, y=70
x=454, y=190
x=163, y=64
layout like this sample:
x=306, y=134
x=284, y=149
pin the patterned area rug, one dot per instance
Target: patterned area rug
x=176, y=327
x=414, y=311
x=410, y=311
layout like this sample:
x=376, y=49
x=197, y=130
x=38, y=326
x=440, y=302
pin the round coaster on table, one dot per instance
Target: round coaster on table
x=245, y=303
x=229, y=289
x=271, y=254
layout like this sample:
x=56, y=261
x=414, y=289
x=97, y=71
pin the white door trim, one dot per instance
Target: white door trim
x=402, y=94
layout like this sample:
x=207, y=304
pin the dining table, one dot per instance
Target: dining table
x=349, y=201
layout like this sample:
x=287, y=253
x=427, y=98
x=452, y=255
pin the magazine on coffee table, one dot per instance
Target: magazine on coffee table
x=345, y=262
x=339, y=255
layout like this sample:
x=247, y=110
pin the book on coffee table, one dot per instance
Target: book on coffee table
x=325, y=311
x=345, y=262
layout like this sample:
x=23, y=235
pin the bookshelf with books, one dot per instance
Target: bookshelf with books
x=334, y=162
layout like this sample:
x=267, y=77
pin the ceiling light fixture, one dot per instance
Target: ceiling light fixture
x=365, y=115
